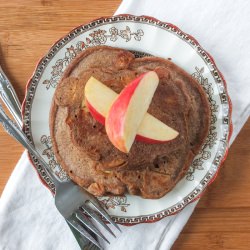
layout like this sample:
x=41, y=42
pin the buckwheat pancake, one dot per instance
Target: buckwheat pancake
x=80, y=142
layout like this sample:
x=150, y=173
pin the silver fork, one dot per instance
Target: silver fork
x=72, y=201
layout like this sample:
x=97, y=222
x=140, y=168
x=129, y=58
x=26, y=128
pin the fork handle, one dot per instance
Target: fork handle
x=10, y=98
x=11, y=128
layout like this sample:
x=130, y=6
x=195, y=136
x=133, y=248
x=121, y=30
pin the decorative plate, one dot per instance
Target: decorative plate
x=143, y=35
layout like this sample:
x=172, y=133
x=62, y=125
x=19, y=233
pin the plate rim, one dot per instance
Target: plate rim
x=133, y=17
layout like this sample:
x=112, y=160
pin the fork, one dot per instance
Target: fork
x=72, y=201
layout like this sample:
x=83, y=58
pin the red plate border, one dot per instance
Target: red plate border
x=197, y=44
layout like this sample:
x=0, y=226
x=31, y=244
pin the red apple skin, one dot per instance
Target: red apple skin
x=101, y=119
x=119, y=108
x=149, y=140
x=96, y=115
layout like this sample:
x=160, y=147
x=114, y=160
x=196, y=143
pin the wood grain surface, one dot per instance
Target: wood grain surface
x=29, y=27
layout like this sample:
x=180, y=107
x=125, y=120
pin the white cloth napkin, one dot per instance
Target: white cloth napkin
x=28, y=218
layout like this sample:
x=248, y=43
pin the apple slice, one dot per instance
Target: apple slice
x=128, y=110
x=99, y=99
x=152, y=130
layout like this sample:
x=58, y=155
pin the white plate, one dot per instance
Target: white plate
x=144, y=35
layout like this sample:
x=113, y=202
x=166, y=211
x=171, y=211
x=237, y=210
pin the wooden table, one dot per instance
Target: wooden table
x=28, y=28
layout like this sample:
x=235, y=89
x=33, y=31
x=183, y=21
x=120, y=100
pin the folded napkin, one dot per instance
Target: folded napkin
x=28, y=218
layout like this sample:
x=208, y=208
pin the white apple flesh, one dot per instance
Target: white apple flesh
x=99, y=99
x=153, y=131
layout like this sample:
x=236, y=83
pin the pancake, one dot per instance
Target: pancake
x=82, y=147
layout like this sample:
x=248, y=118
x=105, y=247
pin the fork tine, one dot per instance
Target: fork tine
x=104, y=213
x=94, y=216
x=96, y=204
x=83, y=232
x=82, y=217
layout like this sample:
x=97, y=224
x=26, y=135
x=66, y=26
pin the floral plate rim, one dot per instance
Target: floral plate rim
x=157, y=22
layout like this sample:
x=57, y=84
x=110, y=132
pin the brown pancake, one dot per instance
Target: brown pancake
x=82, y=147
